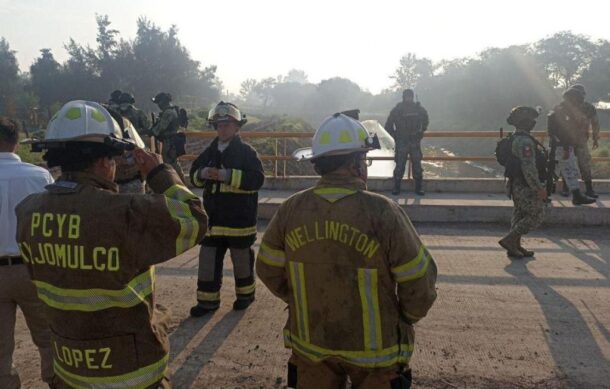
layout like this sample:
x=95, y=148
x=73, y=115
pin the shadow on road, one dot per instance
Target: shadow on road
x=205, y=350
x=571, y=343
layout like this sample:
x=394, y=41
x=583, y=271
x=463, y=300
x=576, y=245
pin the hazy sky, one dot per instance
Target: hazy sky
x=360, y=40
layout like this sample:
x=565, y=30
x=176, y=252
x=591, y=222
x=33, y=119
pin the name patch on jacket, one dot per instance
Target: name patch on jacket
x=332, y=230
x=54, y=233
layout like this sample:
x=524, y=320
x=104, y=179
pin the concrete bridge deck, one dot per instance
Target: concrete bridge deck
x=538, y=323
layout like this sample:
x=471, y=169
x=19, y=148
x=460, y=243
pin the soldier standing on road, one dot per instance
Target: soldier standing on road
x=565, y=127
x=351, y=268
x=17, y=181
x=91, y=251
x=230, y=173
x=406, y=124
x=582, y=148
x=165, y=129
x=525, y=172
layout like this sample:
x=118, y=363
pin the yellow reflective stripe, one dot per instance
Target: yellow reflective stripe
x=189, y=226
x=180, y=193
x=334, y=194
x=397, y=354
x=224, y=188
x=91, y=300
x=197, y=179
x=371, y=318
x=236, y=176
x=245, y=289
x=297, y=278
x=413, y=269
x=229, y=231
x=208, y=296
x=271, y=256
x=140, y=378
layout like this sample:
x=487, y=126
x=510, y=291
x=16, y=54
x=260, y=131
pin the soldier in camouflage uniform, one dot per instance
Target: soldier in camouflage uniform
x=114, y=101
x=565, y=126
x=525, y=186
x=582, y=148
x=136, y=116
x=407, y=123
x=165, y=127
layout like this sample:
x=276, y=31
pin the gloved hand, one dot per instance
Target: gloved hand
x=208, y=173
x=223, y=175
x=214, y=174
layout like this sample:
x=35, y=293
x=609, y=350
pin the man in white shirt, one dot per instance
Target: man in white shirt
x=17, y=181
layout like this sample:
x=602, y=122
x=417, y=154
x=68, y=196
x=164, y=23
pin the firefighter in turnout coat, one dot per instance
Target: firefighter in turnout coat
x=230, y=173
x=350, y=266
x=90, y=252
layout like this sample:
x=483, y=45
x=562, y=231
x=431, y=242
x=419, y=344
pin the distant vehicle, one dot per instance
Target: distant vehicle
x=380, y=168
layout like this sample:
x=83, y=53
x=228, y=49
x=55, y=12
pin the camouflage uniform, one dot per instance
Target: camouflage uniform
x=566, y=124
x=138, y=118
x=407, y=123
x=582, y=149
x=529, y=209
x=166, y=126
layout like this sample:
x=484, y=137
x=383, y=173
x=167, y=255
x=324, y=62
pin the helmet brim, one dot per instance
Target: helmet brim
x=306, y=154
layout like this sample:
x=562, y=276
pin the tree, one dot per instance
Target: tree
x=565, y=56
x=296, y=76
x=411, y=70
x=9, y=79
x=44, y=78
x=596, y=78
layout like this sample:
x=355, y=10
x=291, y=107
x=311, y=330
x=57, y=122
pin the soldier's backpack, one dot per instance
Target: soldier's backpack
x=506, y=158
x=183, y=119
x=512, y=164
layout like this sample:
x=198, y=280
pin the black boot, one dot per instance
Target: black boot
x=243, y=302
x=396, y=189
x=579, y=199
x=565, y=192
x=204, y=308
x=419, y=188
x=590, y=192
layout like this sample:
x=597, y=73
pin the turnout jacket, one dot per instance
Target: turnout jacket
x=231, y=205
x=353, y=271
x=90, y=252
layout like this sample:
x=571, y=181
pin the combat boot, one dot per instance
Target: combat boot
x=419, y=188
x=525, y=252
x=511, y=244
x=565, y=192
x=580, y=199
x=396, y=189
x=242, y=302
x=590, y=192
x=202, y=309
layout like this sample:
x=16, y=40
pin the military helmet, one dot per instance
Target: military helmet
x=225, y=112
x=127, y=98
x=338, y=135
x=83, y=121
x=522, y=113
x=580, y=88
x=408, y=92
x=162, y=97
x=116, y=95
